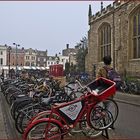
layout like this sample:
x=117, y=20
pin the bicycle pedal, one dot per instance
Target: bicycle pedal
x=70, y=134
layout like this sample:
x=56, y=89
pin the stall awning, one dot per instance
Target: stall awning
x=26, y=67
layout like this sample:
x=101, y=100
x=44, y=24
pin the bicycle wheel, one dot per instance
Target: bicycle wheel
x=15, y=104
x=28, y=116
x=88, y=131
x=18, y=122
x=20, y=115
x=22, y=105
x=25, y=116
x=44, y=130
x=100, y=118
x=112, y=107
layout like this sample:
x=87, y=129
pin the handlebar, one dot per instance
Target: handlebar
x=83, y=88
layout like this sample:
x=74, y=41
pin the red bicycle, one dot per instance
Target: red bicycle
x=64, y=117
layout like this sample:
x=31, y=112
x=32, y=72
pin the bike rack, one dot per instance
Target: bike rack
x=105, y=134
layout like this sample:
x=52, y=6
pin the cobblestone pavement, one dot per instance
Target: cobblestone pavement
x=7, y=128
x=3, y=134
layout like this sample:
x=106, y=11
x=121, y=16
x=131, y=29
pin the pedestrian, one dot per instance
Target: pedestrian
x=102, y=72
x=110, y=73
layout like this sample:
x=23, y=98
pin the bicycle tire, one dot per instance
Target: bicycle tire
x=23, y=116
x=87, y=131
x=21, y=106
x=35, y=127
x=100, y=118
x=15, y=104
x=112, y=107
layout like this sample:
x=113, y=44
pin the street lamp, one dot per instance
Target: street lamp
x=17, y=45
x=9, y=49
x=57, y=59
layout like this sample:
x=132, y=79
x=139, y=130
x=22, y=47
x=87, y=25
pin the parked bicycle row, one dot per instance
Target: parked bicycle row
x=44, y=110
x=130, y=87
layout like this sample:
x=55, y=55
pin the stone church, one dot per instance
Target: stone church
x=115, y=31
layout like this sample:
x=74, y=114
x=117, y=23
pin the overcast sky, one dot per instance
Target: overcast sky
x=45, y=24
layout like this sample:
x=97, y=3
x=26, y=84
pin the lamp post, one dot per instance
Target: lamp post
x=9, y=49
x=17, y=45
x=57, y=59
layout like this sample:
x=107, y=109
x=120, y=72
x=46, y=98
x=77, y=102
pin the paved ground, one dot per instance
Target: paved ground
x=7, y=129
x=3, y=133
x=128, y=98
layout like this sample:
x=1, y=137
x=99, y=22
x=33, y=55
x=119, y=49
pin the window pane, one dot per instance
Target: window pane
x=1, y=61
x=104, y=36
x=134, y=26
x=101, y=37
x=139, y=47
x=107, y=34
x=109, y=49
x=105, y=50
x=134, y=48
x=101, y=52
x=105, y=41
x=138, y=24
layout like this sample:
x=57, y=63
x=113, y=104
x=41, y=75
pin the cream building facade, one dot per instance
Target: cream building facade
x=3, y=55
x=30, y=57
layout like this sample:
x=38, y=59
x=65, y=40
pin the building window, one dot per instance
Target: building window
x=27, y=63
x=32, y=64
x=136, y=34
x=41, y=59
x=1, y=61
x=27, y=57
x=104, y=40
x=1, y=52
x=33, y=58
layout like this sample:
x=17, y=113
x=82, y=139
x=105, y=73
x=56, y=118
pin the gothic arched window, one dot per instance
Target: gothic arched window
x=136, y=34
x=105, y=40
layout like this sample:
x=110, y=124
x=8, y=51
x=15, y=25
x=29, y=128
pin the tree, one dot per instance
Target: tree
x=81, y=54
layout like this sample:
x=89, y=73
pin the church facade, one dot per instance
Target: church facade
x=115, y=31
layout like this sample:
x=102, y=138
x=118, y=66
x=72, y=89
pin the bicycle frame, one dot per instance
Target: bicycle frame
x=84, y=109
x=72, y=112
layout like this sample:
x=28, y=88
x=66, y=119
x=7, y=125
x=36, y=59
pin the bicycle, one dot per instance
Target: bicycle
x=83, y=109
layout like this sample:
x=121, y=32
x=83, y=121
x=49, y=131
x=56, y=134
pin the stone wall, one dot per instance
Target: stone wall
x=119, y=14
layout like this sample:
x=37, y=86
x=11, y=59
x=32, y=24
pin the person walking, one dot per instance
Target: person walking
x=102, y=72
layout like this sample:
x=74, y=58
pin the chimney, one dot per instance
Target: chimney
x=67, y=46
